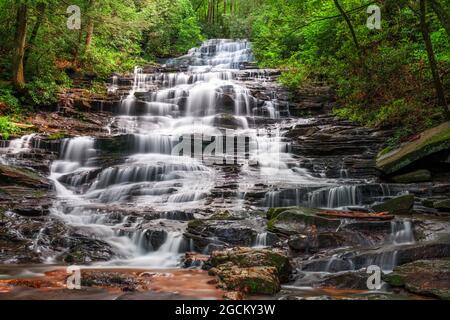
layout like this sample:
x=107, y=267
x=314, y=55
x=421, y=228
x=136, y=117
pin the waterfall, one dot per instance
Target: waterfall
x=22, y=144
x=261, y=240
x=335, y=197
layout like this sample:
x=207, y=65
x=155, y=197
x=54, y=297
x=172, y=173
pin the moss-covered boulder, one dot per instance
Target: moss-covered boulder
x=398, y=205
x=423, y=277
x=254, y=280
x=430, y=142
x=415, y=176
x=289, y=221
x=250, y=257
x=250, y=271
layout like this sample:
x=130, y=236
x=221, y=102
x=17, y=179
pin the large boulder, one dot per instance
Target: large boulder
x=398, y=205
x=289, y=221
x=423, y=277
x=430, y=142
x=250, y=271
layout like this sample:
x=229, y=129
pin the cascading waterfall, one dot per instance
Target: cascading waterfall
x=335, y=197
x=203, y=100
x=261, y=240
x=401, y=234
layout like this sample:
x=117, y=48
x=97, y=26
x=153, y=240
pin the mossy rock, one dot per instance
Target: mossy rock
x=442, y=205
x=399, y=205
x=295, y=220
x=248, y=257
x=430, y=142
x=424, y=277
x=254, y=280
x=415, y=176
x=274, y=212
x=10, y=175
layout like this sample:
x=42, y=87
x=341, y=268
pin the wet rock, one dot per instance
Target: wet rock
x=399, y=205
x=84, y=250
x=220, y=232
x=28, y=239
x=288, y=221
x=442, y=205
x=10, y=175
x=255, y=280
x=248, y=257
x=415, y=176
x=250, y=271
x=423, y=277
x=115, y=280
x=385, y=257
x=346, y=280
x=312, y=243
x=429, y=142
x=193, y=259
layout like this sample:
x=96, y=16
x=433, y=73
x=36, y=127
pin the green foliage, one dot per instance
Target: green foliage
x=9, y=100
x=125, y=33
x=7, y=128
x=172, y=29
x=311, y=42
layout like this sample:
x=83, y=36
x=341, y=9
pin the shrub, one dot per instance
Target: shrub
x=7, y=128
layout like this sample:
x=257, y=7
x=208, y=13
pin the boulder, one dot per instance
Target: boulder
x=248, y=257
x=415, y=176
x=289, y=221
x=220, y=232
x=250, y=271
x=254, y=280
x=429, y=142
x=398, y=205
x=423, y=277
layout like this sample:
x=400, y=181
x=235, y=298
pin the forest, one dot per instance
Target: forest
x=394, y=76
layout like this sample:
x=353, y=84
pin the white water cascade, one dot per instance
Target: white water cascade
x=106, y=195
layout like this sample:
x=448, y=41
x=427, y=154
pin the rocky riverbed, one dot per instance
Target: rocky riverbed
x=288, y=207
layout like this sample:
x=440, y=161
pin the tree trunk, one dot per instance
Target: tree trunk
x=224, y=7
x=352, y=30
x=76, y=54
x=19, y=47
x=40, y=17
x=431, y=59
x=209, y=11
x=217, y=12
x=90, y=25
x=442, y=15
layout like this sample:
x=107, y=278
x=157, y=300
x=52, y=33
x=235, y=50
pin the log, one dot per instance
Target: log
x=356, y=215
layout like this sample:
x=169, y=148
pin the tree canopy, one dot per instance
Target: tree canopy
x=393, y=76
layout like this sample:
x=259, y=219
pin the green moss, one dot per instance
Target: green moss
x=395, y=280
x=57, y=136
x=195, y=224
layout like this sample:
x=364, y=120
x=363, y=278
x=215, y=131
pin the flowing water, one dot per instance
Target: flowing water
x=186, y=131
